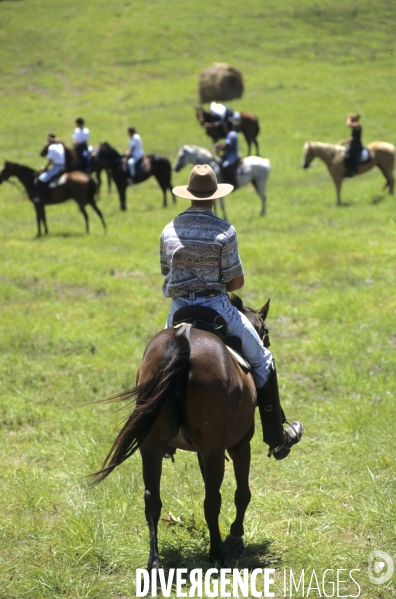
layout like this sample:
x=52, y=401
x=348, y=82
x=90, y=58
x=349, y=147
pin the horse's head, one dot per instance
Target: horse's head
x=256, y=317
x=199, y=114
x=181, y=159
x=308, y=155
x=7, y=170
x=106, y=152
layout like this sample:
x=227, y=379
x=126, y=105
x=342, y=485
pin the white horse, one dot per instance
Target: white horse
x=252, y=169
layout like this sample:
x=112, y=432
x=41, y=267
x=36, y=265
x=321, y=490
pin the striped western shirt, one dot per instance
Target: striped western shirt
x=198, y=252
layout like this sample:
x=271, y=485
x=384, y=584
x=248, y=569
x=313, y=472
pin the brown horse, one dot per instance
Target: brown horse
x=77, y=186
x=381, y=153
x=192, y=394
x=248, y=125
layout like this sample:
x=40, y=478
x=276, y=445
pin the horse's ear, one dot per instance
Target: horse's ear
x=236, y=301
x=265, y=309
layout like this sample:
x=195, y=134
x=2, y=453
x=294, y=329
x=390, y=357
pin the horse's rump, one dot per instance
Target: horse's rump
x=77, y=177
x=215, y=391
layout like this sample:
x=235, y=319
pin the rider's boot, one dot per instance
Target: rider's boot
x=41, y=193
x=272, y=416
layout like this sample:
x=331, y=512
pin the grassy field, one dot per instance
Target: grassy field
x=77, y=310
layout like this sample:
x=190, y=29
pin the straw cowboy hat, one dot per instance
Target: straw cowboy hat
x=202, y=185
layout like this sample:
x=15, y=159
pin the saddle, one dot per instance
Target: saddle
x=58, y=181
x=363, y=158
x=207, y=319
x=242, y=167
x=142, y=167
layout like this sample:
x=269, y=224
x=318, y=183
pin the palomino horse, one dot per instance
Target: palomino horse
x=77, y=186
x=252, y=169
x=382, y=155
x=192, y=394
x=248, y=125
x=156, y=165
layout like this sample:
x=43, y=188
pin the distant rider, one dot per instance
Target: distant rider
x=355, y=146
x=55, y=152
x=220, y=112
x=80, y=142
x=135, y=152
x=230, y=158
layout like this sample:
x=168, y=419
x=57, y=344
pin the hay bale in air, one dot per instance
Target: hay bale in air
x=219, y=83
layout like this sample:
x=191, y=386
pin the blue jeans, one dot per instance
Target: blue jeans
x=47, y=176
x=259, y=358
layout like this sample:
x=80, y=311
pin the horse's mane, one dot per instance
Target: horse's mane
x=113, y=153
x=329, y=149
x=27, y=169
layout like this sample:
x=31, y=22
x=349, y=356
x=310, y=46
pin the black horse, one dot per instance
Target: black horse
x=153, y=164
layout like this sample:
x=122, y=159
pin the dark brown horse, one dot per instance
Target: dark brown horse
x=248, y=125
x=192, y=394
x=154, y=165
x=97, y=167
x=77, y=186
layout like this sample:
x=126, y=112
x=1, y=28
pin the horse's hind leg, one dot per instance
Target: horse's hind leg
x=257, y=147
x=152, y=468
x=98, y=212
x=390, y=180
x=241, y=461
x=212, y=468
x=85, y=215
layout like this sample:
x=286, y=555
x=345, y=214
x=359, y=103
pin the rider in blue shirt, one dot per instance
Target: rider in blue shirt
x=230, y=155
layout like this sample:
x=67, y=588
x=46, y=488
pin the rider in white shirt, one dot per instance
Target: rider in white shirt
x=54, y=167
x=221, y=112
x=135, y=151
x=80, y=142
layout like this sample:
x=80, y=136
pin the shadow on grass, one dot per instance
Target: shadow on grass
x=377, y=199
x=67, y=235
x=255, y=555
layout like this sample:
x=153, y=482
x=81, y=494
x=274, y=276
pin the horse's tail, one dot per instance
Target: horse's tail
x=170, y=378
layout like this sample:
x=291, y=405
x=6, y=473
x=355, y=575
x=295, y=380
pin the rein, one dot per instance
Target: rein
x=19, y=188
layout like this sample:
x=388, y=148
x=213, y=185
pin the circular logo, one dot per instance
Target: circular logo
x=380, y=567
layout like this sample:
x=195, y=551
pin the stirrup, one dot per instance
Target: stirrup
x=292, y=436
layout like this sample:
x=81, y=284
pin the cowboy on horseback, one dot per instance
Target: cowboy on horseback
x=220, y=112
x=200, y=260
x=135, y=152
x=55, y=152
x=354, y=151
x=80, y=143
x=230, y=159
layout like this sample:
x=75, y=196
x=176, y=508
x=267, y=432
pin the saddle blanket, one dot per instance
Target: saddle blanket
x=236, y=118
x=58, y=181
x=243, y=168
x=364, y=156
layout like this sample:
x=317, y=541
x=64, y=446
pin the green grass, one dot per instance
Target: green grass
x=77, y=310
